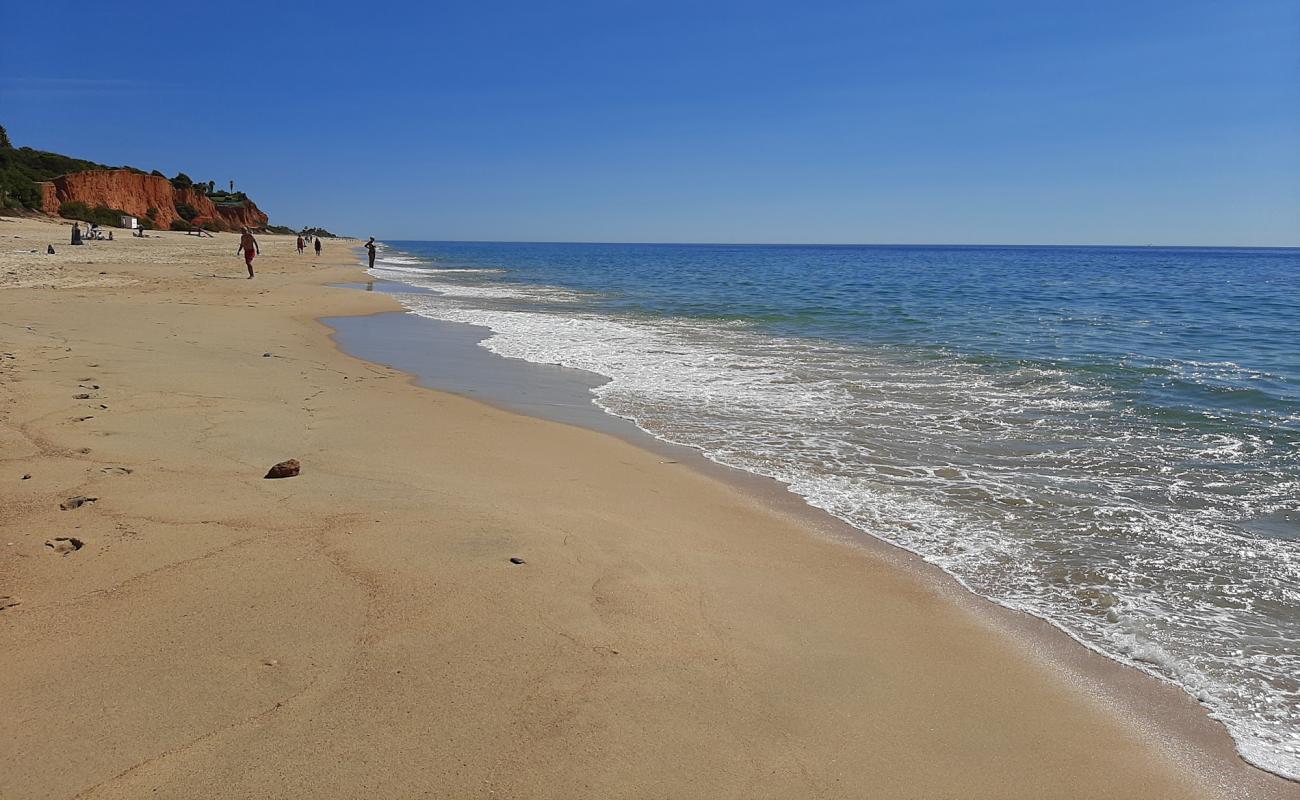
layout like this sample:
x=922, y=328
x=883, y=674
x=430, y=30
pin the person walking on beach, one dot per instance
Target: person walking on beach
x=318, y=247
x=370, y=245
x=249, y=246
x=301, y=244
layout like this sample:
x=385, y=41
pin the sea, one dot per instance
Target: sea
x=1104, y=437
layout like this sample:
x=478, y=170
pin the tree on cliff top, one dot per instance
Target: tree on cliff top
x=4, y=139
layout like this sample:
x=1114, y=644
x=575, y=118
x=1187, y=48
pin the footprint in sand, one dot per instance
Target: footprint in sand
x=116, y=470
x=64, y=545
x=7, y=602
x=76, y=502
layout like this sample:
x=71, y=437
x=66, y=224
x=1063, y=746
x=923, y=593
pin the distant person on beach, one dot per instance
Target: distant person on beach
x=370, y=245
x=249, y=246
x=301, y=244
x=318, y=247
x=76, y=233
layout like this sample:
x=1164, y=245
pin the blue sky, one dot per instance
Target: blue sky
x=927, y=122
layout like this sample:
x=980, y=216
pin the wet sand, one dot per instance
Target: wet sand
x=359, y=630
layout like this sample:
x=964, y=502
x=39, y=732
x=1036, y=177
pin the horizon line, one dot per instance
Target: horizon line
x=861, y=244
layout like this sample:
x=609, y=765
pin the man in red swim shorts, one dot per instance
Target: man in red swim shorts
x=249, y=245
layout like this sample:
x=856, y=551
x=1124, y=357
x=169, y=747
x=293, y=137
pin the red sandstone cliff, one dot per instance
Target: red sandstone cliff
x=136, y=194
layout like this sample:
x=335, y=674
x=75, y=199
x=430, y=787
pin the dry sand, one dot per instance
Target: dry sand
x=359, y=631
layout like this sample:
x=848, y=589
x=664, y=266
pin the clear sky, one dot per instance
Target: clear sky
x=1132, y=122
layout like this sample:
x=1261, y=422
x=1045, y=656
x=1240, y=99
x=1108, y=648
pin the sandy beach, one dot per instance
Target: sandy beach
x=196, y=630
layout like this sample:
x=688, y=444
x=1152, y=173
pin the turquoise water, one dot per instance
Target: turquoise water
x=1108, y=438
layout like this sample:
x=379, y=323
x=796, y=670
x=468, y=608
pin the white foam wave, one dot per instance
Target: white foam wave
x=394, y=265
x=1042, y=494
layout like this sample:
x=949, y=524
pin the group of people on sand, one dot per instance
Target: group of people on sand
x=302, y=244
x=251, y=249
x=93, y=231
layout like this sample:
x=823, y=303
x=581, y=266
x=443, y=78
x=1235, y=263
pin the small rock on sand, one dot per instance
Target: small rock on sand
x=517, y=560
x=82, y=396
x=76, y=502
x=7, y=602
x=285, y=469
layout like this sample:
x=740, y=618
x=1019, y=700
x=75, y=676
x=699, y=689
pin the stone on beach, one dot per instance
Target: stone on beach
x=76, y=502
x=285, y=469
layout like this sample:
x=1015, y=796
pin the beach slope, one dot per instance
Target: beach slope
x=360, y=630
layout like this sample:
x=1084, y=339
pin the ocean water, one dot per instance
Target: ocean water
x=1108, y=438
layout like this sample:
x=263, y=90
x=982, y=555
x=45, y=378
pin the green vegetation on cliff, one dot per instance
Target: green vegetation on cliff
x=22, y=169
x=108, y=217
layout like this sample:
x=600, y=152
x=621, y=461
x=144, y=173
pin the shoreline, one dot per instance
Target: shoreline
x=1144, y=698
x=609, y=680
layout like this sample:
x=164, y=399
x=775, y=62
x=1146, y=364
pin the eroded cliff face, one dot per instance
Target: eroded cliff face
x=136, y=194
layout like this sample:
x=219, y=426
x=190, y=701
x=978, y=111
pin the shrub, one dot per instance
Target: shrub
x=187, y=211
x=151, y=212
x=182, y=181
x=223, y=198
x=74, y=209
x=157, y=174
x=213, y=225
x=18, y=191
x=180, y=225
x=108, y=217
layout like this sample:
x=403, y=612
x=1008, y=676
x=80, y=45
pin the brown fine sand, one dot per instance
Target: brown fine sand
x=358, y=631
